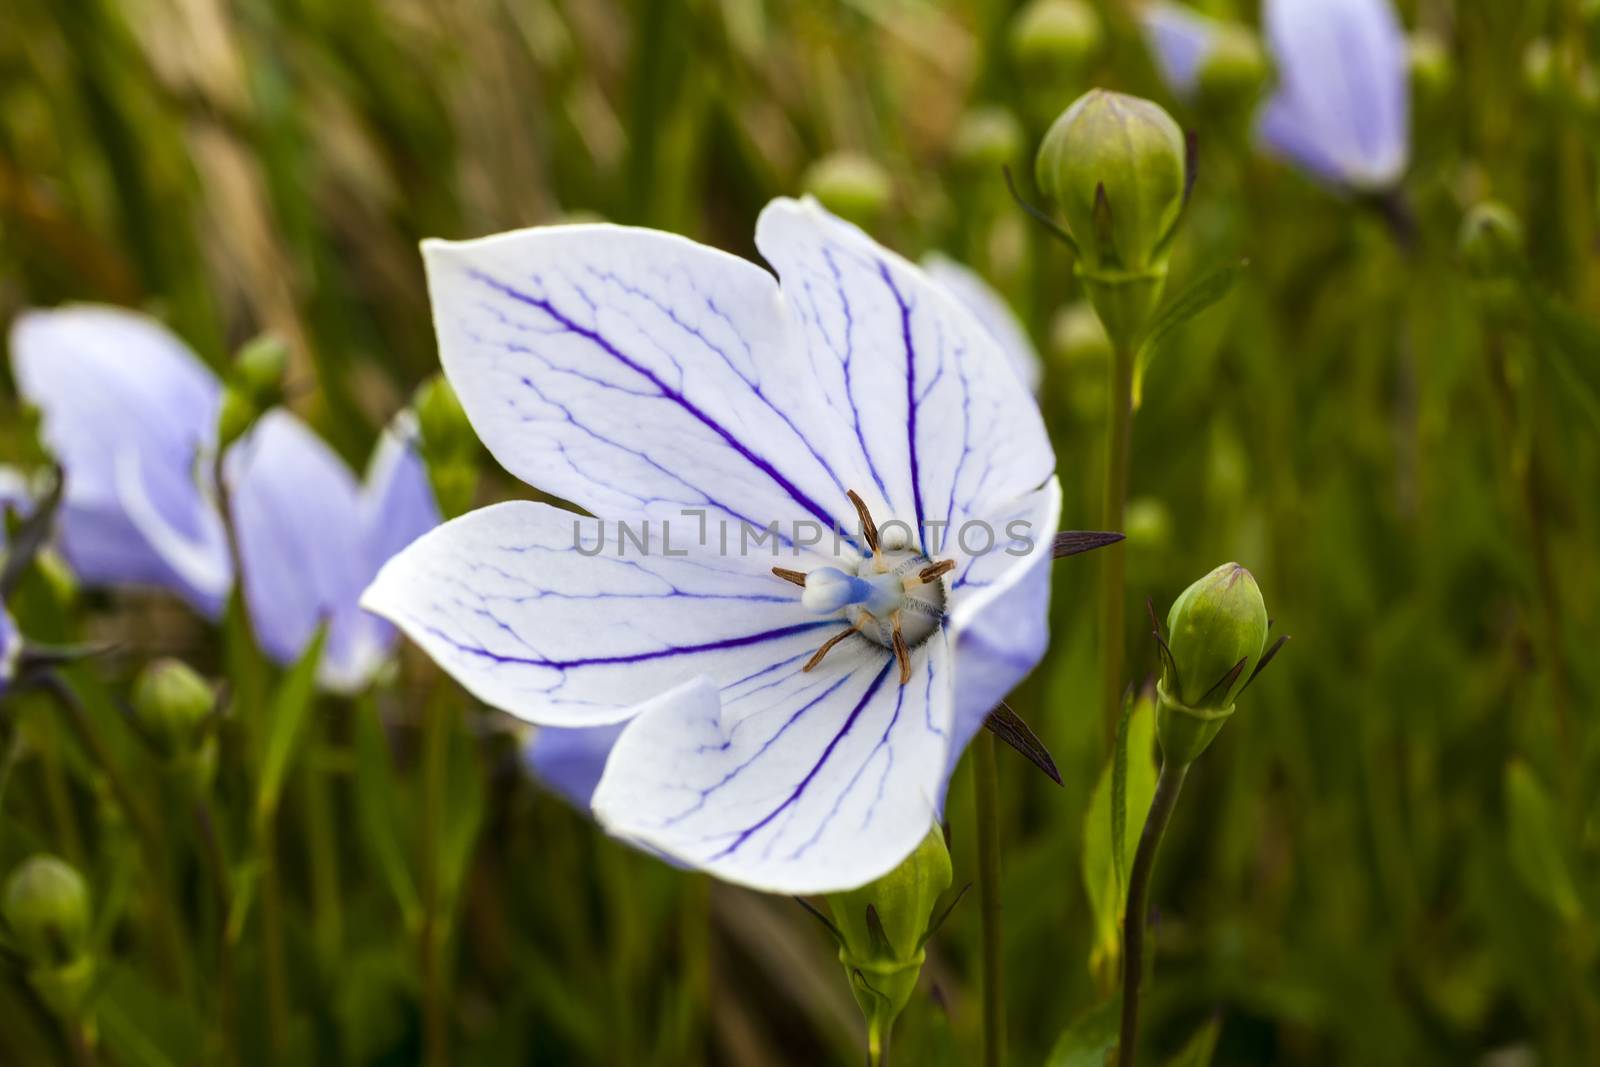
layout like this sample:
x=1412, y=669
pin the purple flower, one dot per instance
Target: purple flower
x=130, y=414
x=791, y=739
x=1341, y=107
x=10, y=649
x=1181, y=39
x=311, y=539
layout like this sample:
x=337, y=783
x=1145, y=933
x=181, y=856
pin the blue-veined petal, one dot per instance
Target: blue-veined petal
x=992, y=311
x=1341, y=108
x=943, y=428
x=1000, y=607
x=570, y=621
x=303, y=549
x=791, y=781
x=131, y=415
x=1180, y=39
x=638, y=374
x=569, y=760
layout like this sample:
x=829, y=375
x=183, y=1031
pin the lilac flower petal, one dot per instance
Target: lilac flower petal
x=303, y=549
x=791, y=782
x=909, y=371
x=570, y=760
x=993, y=314
x=1000, y=614
x=10, y=649
x=131, y=414
x=565, y=621
x=1342, y=104
x=1180, y=39
x=638, y=374
x=397, y=503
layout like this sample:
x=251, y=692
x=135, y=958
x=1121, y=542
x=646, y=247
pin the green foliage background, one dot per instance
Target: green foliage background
x=1390, y=855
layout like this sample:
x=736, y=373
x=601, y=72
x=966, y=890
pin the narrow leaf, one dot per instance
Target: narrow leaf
x=291, y=705
x=378, y=802
x=1200, y=296
x=1536, y=842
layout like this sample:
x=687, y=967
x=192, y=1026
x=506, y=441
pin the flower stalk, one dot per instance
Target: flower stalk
x=986, y=791
x=1169, y=783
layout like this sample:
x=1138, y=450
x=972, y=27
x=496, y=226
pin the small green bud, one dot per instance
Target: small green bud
x=1491, y=242
x=46, y=909
x=1432, y=72
x=1217, y=631
x=1234, y=72
x=987, y=138
x=1147, y=524
x=883, y=927
x=850, y=185
x=1115, y=165
x=442, y=421
x=171, y=704
x=238, y=413
x=1056, y=33
x=259, y=369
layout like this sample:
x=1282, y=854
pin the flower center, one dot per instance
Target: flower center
x=894, y=597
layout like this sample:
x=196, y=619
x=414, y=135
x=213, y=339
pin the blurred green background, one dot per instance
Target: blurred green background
x=1389, y=858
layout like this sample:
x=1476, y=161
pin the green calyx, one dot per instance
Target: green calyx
x=882, y=929
x=1116, y=166
x=1217, y=632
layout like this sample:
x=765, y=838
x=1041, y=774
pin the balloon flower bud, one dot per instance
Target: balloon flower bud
x=851, y=186
x=1491, y=242
x=1432, y=72
x=1060, y=34
x=882, y=928
x=238, y=412
x=1235, y=70
x=259, y=369
x=1217, y=632
x=1116, y=167
x=46, y=909
x=171, y=704
x=448, y=445
x=987, y=138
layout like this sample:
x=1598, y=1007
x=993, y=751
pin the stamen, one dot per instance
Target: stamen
x=901, y=652
x=934, y=572
x=797, y=577
x=827, y=645
x=869, y=529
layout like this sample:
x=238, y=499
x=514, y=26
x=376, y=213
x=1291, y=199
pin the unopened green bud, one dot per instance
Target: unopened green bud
x=883, y=927
x=987, y=138
x=1147, y=524
x=171, y=704
x=442, y=422
x=1491, y=242
x=1056, y=33
x=1235, y=70
x=46, y=908
x=259, y=369
x=1217, y=631
x=1432, y=72
x=1115, y=165
x=238, y=413
x=850, y=185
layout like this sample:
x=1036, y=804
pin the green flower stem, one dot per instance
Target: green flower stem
x=986, y=791
x=216, y=865
x=1119, y=432
x=878, y=1047
x=435, y=739
x=323, y=848
x=1169, y=783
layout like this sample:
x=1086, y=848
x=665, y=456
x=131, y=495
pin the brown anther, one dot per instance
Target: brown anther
x=934, y=571
x=816, y=657
x=797, y=577
x=869, y=529
x=901, y=652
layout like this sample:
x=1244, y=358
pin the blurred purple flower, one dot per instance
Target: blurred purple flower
x=570, y=759
x=10, y=649
x=1180, y=39
x=311, y=539
x=1341, y=106
x=130, y=413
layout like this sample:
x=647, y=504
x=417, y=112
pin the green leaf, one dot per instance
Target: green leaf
x=1121, y=800
x=1200, y=296
x=1200, y=1048
x=464, y=808
x=1090, y=1039
x=1536, y=842
x=144, y=1026
x=1571, y=344
x=378, y=801
x=291, y=705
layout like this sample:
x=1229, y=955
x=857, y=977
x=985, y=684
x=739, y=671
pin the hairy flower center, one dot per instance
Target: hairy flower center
x=894, y=597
